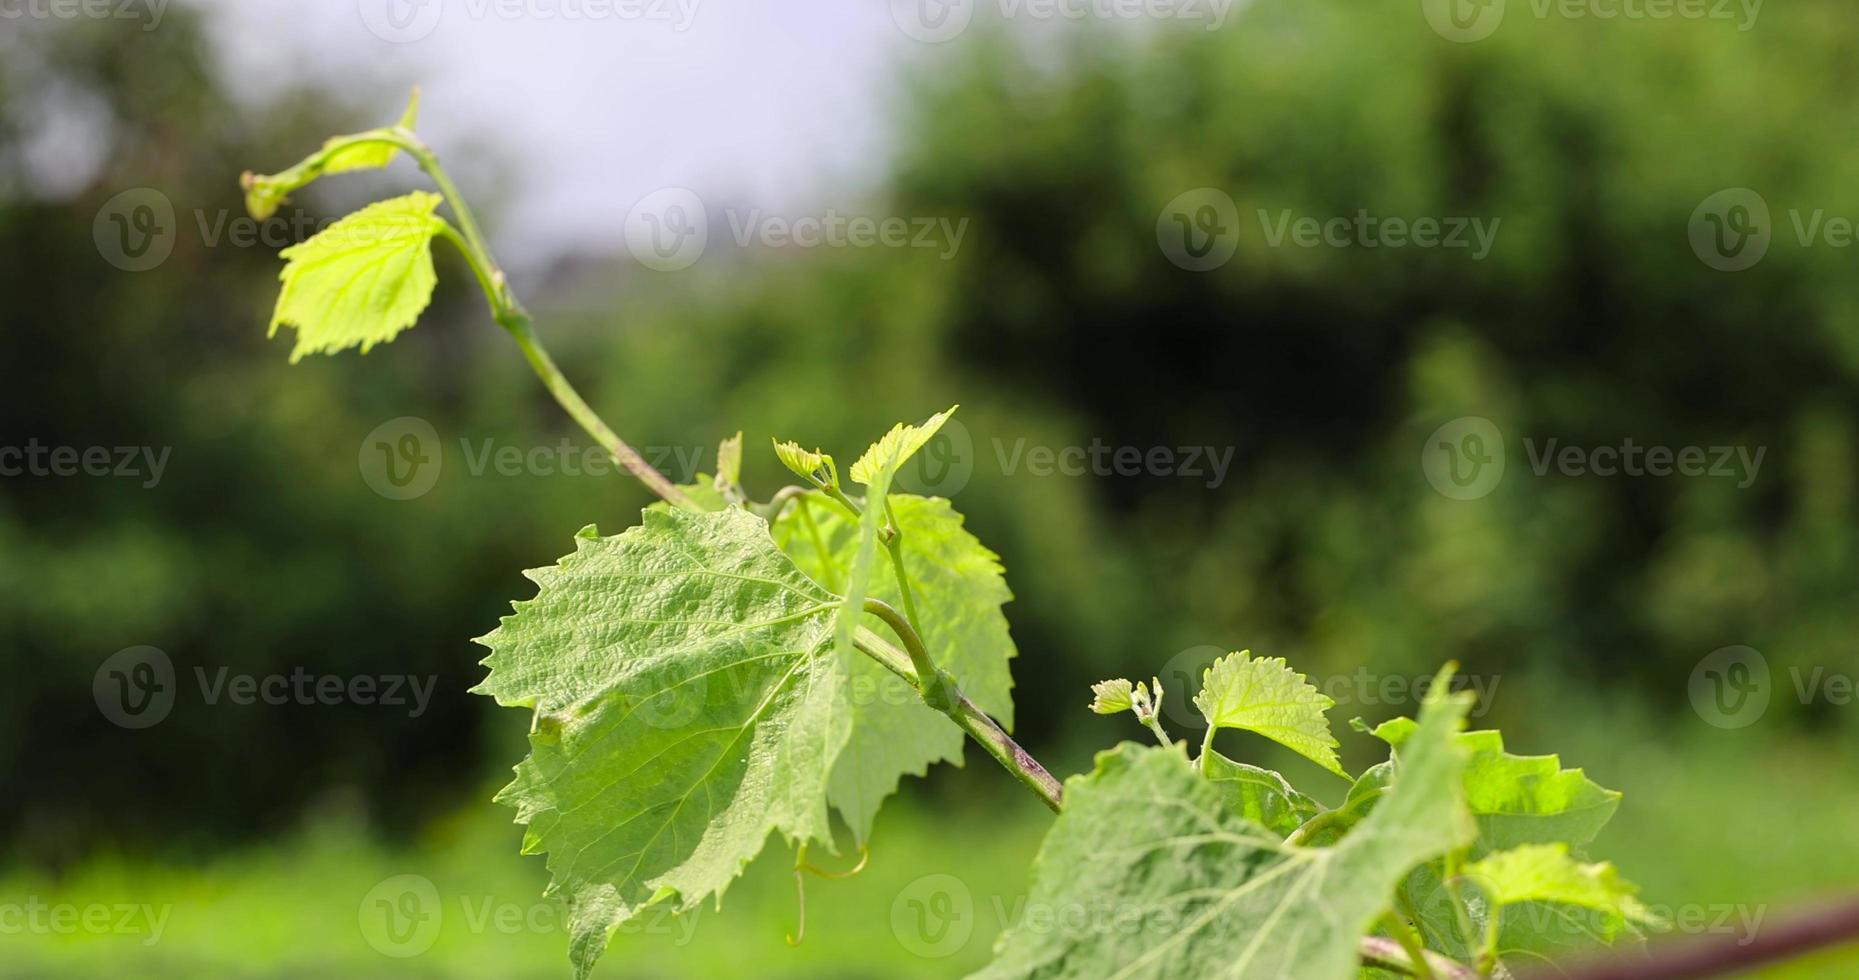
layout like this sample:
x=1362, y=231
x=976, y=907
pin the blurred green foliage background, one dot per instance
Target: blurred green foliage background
x=1582, y=603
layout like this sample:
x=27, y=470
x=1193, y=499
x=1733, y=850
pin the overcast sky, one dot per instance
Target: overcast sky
x=778, y=104
x=781, y=106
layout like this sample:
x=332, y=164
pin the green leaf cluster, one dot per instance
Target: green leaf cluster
x=696, y=685
x=959, y=588
x=1486, y=868
x=719, y=674
x=1185, y=883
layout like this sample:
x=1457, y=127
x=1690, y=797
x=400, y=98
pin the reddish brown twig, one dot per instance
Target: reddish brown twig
x=1829, y=925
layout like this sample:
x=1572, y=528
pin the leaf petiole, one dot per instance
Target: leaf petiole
x=933, y=683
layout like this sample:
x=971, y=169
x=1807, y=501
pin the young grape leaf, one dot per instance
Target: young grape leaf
x=1522, y=799
x=1550, y=906
x=1331, y=825
x=728, y=480
x=264, y=193
x=889, y=454
x=1176, y=884
x=875, y=469
x=1547, y=904
x=370, y=156
x=1546, y=873
x=959, y=589
x=1266, y=696
x=704, y=494
x=363, y=279
x=1516, y=800
x=686, y=705
x=1260, y=795
x=1113, y=696
x=810, y=465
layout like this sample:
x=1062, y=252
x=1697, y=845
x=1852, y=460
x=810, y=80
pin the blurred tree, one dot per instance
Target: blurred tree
x=1590, y=322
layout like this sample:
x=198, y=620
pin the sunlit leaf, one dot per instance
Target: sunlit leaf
x=687, y=704
x=362, y=280
x=1179, y=885
x=1266, y=696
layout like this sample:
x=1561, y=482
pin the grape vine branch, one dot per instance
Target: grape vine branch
x=713, y=648
x=508, y=312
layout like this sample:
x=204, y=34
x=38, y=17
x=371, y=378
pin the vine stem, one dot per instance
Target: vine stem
x=933, y=683
x=935, y=686
x=525, y=335
x=894, y=543
x=970, y=718
x=1829, y=925
x=509, y=314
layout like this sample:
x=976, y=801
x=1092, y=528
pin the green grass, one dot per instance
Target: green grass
x=297, y=908
x=1742, y=820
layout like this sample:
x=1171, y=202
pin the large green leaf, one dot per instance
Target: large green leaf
x=1155, y=876
x=959, y=590
x=1266, y=696
x=1522, y=799
x=686, y=705
x=363, y=279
